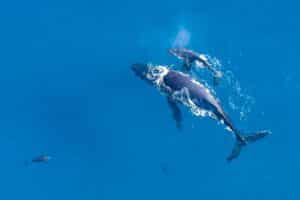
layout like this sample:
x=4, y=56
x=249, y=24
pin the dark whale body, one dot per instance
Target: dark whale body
x=199, y=94
x=171, y=81
x=189, y=57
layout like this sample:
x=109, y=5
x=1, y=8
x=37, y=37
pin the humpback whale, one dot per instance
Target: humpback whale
x=41, y=158
x=38, y=159
x=180, y=88
x=191, y=58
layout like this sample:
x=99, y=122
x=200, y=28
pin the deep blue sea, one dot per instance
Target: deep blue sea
x=67, y=91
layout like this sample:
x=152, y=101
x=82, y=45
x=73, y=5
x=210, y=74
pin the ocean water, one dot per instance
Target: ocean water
x=67, y=91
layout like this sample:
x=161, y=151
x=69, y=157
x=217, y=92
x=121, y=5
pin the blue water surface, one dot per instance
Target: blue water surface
x=67, y=91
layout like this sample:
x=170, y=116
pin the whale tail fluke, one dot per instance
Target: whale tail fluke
x=242, y=141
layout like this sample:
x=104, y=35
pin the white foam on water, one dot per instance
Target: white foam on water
x=238, y=100
x=183, y=96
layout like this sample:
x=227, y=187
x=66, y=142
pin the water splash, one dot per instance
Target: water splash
x=205, y=75
x=214, y=61
x=238, y=100
x=183, y=96
x=214, y=65
x=182, y=38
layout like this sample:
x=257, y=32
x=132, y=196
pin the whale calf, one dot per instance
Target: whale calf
x=191, y=58
x=180, y=88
